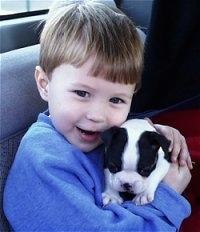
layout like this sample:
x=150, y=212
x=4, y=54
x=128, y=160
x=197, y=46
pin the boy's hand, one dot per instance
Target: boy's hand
x=178, y=147
x=178, y=177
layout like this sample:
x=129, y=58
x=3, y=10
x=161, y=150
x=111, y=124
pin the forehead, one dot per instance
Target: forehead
x=81, y=77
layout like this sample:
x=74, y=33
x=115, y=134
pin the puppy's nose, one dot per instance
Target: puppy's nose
x=127, y=186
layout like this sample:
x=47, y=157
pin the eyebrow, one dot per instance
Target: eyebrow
x=118, y=94
x=124, y=95
x=81, y=85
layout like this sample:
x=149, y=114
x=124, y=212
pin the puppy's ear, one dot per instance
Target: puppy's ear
x=149, y=144
x=115, y=140
x=107, y=135
x=163, y=142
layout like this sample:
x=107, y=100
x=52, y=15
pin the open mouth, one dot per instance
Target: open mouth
x=88, y=136
x=86, y=131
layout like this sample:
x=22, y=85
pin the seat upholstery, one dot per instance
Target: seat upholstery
x=20, y=105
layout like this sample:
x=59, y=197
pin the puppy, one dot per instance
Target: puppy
x=136, y=160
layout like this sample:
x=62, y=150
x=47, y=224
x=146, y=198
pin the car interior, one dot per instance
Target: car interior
x=21, y=103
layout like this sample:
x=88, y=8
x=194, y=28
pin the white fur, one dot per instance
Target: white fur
x=144, y=188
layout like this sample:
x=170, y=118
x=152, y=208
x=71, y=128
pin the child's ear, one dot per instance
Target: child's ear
x=42, y=82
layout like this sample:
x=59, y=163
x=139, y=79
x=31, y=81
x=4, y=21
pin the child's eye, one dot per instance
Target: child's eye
x=81, y=93
x=116, y=100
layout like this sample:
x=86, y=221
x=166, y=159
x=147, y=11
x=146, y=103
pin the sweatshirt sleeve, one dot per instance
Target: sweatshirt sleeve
x=62, y=193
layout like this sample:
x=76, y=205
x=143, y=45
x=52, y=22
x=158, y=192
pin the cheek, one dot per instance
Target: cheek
x=60, y=121
x=120, y=116
x=118, y=119
x=63, y=117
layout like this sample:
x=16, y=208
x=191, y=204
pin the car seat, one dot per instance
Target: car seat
x=20, y=105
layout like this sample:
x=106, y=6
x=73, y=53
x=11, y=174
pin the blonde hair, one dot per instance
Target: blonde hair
x=78, y=31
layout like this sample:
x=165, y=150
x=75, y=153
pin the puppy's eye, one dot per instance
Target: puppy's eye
x=116, y=100
x=81, y=93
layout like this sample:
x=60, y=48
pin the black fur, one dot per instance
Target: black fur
x=148, y=145
x=115, y=140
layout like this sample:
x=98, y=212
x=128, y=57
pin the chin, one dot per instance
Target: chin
x=89, y=147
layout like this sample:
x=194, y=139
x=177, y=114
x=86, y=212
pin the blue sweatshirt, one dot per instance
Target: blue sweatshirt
x=53, y=186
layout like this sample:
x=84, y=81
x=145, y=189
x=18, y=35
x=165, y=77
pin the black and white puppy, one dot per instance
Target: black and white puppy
x=136, y=160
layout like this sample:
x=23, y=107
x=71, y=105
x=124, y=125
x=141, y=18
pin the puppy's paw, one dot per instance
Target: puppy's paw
x=111, y=197
x=143, y=198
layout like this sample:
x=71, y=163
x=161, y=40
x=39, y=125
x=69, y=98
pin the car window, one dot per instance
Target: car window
x=8, y=7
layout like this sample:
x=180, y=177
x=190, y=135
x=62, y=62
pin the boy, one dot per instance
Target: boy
x=90, y=67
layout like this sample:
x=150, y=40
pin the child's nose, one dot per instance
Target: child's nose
x=96, y=114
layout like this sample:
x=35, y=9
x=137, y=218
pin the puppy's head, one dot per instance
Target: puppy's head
x=149, y=144
x=124, y=144
x=115, y=140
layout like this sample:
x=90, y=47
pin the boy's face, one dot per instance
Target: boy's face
x=82, y=106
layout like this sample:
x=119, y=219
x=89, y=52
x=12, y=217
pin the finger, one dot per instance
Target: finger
x=185, y=158
x=180, y=150
x=189, y=162
x=176, y=146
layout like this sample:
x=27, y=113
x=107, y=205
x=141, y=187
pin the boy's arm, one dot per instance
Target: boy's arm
x=166, y=212
x=49, y=189
x=57, y=200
